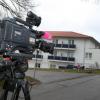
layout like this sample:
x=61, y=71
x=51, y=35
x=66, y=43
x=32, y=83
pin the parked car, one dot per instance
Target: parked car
x=70, y=67
x=62, y=67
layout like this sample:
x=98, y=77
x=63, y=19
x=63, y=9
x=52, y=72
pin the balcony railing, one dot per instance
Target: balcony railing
x=38, y=56
x=61, y=58
x=73, y=46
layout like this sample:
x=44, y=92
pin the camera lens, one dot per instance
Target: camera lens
x=33, y=19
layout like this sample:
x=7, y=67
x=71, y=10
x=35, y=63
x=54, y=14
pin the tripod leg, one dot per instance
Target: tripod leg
x=25, y=88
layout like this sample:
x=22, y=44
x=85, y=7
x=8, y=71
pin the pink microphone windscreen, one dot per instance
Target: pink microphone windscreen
x=47, y=36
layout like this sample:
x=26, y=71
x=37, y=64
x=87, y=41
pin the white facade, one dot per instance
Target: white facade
x=84, y=51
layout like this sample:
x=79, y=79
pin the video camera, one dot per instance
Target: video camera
x=17, y=34
x=18, y=41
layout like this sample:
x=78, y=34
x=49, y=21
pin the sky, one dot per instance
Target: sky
x=81, y=16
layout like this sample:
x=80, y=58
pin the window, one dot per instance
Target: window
x=55, y=53
x=56, y=41
x=62, y=42
x=96, y=46
x=53, y=41
x=88, y=55
x=70, y=41
x=61, y=54
x=70, y=54
x=37, y=65
x=52, y=66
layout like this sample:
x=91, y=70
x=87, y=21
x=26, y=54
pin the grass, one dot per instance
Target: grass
x=32, y=81
x=96, y=71
x=89, y=71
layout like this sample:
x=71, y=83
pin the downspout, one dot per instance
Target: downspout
x=84, y=52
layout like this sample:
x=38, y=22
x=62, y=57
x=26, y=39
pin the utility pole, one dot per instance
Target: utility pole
x=36, y=62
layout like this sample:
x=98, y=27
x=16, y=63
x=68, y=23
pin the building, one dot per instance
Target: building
x=71, y=48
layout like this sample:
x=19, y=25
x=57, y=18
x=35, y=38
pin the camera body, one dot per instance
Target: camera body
x=16, y=33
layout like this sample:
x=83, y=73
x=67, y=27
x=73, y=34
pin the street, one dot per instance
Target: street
x=81, y=88
x=65, y=86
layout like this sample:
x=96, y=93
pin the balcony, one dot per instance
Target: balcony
x=65, y=46
x=37, y=56
x=61, y=59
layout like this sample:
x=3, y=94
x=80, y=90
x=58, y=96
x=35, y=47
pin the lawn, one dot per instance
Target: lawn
x=89, y=71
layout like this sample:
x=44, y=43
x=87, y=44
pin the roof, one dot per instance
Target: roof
x=67, y=34
x=70, y=34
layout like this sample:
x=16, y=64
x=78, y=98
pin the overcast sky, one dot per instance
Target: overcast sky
x=70, y=15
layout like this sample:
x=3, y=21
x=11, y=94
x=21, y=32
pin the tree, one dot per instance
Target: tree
x=15, y=7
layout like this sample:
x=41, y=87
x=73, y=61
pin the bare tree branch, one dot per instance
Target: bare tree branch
x=16, y=7
x=7, y=8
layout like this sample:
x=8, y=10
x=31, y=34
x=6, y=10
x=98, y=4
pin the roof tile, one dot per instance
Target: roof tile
x=67, y=34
